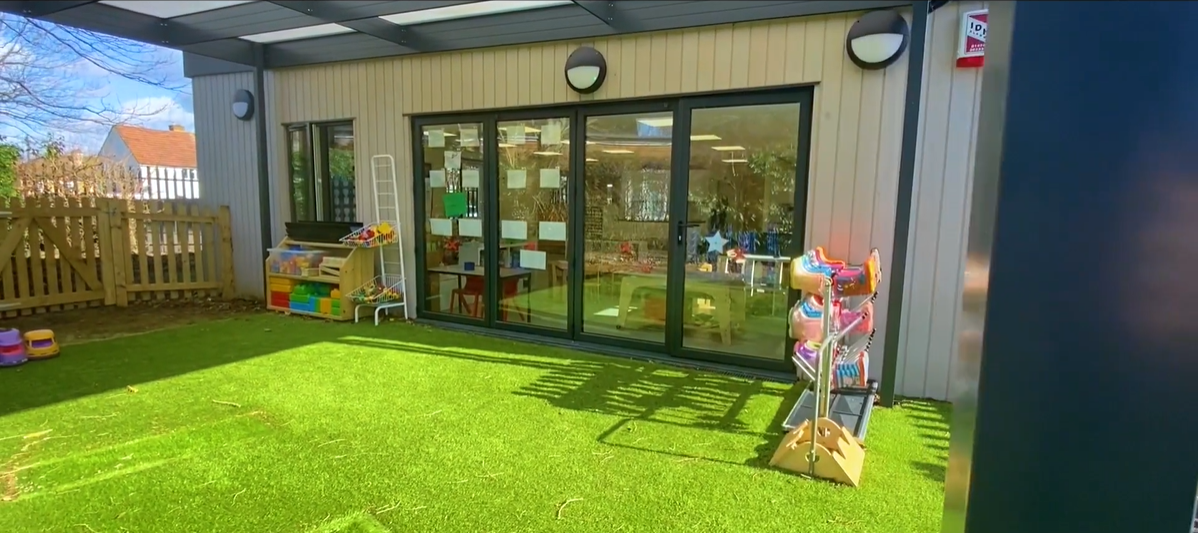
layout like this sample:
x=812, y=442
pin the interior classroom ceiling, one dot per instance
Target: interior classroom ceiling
x=278, y=34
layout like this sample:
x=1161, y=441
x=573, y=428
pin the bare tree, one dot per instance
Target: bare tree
x=44, y=86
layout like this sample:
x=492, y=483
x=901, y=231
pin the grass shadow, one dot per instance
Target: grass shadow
x=932, y=419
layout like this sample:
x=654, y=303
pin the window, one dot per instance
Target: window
x=322, y=173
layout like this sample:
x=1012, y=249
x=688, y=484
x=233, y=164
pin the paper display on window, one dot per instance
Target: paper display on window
x=515, y=134
x=552, y=231
x=453, y=160
x=551, y=178
x=470, y=227
x=436, y=138
x=551, y=135
x=532, y=259
x=455, y=204
x=470, y=178
x=516, y=230
x=517, y=179
x=436, y=179
x=441, y=226
x=470, y=137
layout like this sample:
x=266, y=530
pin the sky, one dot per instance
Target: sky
x=167, y=106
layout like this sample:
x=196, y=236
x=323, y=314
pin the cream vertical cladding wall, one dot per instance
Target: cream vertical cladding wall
x=940, y=211
x=857, y=130
x=227, y=155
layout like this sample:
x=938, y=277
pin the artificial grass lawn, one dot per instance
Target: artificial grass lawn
x=279, y=424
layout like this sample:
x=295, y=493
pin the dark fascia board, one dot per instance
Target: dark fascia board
x=559, y=23
x=101, y=18
x=40, y=9
x=195, y=65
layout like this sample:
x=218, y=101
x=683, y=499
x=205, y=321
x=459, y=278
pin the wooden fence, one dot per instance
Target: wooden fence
x=79, y=252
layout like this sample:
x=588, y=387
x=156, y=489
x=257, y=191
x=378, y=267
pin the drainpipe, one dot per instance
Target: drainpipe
x=902, y=217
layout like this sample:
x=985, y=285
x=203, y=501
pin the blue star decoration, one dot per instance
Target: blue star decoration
x=716, y=242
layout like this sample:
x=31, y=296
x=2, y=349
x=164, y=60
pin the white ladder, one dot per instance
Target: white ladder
x=386, y=209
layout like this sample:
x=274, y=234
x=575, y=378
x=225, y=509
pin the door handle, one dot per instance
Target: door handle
x=681, y=232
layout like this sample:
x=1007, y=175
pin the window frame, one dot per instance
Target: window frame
x=316, y=147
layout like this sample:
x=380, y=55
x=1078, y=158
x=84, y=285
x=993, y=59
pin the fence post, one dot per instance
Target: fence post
x=224, y=221
x=116, y=279
x=108, y=256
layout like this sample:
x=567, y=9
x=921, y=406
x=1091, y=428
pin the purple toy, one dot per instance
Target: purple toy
x=12, y=348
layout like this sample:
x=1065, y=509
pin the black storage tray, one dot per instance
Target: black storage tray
x=324, y=232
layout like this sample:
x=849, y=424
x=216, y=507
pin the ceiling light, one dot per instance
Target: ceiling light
x=530, y=129
x=617, y=151
x=591, y=160
x=660, y=122
x=506, y=145
x=706, y=137
x=297, y=33
x=472, y=9
x=547, y=153
x=727, y=148
x=444, y=134
x=736, y=160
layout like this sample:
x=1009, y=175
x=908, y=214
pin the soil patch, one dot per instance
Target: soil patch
x=96, y=323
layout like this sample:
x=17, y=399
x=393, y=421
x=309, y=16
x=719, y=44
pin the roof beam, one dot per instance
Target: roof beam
x=39, y=9
x=366, y=20
x=604, y=11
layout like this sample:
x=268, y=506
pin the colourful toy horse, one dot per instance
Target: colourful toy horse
x=809, y=271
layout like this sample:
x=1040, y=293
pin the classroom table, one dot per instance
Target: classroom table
x=504, y=273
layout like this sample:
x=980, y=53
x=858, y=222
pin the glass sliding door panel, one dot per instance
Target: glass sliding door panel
x=534, y=165
x=453, y=226
x=627, y=228
x=740, y=217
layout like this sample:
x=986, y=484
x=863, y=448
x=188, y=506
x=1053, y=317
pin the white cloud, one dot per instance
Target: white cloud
x=158, y=112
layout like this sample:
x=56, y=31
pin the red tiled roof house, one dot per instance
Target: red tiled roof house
x=165, y=160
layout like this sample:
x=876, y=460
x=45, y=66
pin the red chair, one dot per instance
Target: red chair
x=473, y=290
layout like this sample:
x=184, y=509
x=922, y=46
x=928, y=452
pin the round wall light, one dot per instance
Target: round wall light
x=243, y=105
x=878, y=39
x=585, y=70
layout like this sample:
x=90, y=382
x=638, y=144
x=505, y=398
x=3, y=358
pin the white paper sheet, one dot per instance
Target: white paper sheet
x=436, y=179
x=442, y=226
x=551, y=135
x=513, y=229
x=436, y=138
x=552, y=231
x=470, y=227
x=551, y=178
x=470, y=178
x=517, y=179
x=515, y=134
x=470, y=137
x=453, y=160
x=532, y=259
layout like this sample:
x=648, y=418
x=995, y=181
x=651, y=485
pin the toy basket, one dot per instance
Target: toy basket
x=380, y=290
x=373, y=235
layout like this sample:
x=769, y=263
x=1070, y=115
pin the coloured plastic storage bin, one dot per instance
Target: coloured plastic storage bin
x=293, y=262
x=12, y=348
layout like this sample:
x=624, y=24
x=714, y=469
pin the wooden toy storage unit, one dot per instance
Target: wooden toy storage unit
x=357, y=268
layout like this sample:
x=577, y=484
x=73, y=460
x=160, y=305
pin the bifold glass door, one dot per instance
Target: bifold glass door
x=453, y=227
x=662, y=226
x=739, y=224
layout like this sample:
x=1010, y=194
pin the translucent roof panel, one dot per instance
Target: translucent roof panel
x=473, y=9
x=166, y=10
x=322, y=30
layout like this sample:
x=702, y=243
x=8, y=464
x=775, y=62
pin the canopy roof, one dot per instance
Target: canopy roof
x=277, y=34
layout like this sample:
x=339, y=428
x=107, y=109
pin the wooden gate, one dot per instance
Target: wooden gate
x=53, y=255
